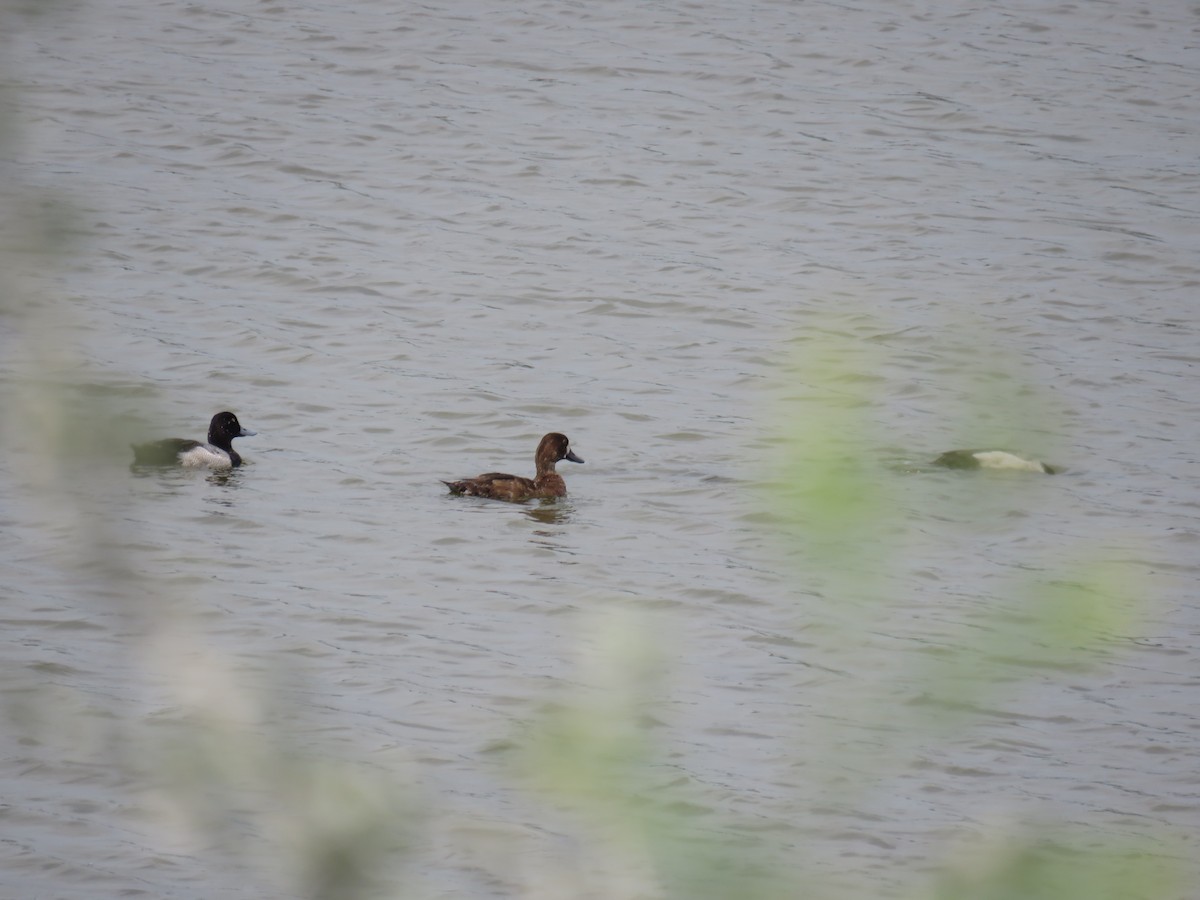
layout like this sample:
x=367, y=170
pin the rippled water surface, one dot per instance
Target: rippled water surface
x=403, y=241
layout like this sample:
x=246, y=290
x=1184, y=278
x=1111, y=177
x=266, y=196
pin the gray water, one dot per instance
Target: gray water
x=404, y=241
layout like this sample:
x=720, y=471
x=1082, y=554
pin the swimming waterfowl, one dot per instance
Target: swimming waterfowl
x=515, y=489
x=992, y=459
x=218, y=453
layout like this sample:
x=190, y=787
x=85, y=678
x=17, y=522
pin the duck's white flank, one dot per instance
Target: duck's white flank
x=206, y=455
x=999, y=459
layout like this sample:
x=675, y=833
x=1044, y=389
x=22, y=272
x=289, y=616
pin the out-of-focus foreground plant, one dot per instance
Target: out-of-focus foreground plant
x=839, y=516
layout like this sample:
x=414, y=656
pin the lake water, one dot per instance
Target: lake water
x=403, y=241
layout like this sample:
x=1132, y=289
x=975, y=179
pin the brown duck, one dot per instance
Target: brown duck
x=515, y=489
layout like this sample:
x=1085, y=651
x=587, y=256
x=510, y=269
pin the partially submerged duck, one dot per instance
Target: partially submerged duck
x=992, y=459
x=547, y=483
x=218, y=453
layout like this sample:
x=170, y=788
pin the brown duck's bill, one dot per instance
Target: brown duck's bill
x=572, y=457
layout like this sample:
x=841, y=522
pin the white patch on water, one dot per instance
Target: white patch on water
x=1001, y=459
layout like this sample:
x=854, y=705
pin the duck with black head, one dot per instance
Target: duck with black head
x=546, y=484
x=218, y=453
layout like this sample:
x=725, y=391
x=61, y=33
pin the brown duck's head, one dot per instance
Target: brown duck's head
x=554, y=447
